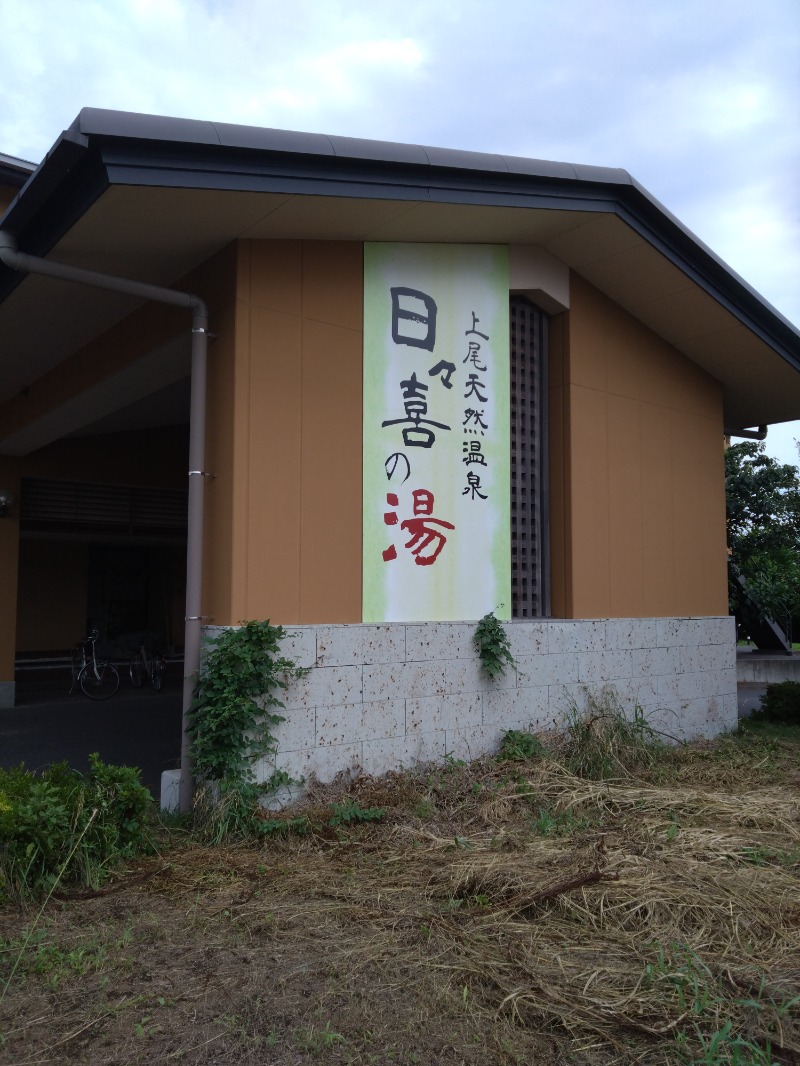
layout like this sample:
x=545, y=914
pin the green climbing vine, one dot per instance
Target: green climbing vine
x=494, y=647
x=232, y=720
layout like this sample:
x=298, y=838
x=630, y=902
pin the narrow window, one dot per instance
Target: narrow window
x=530, y=574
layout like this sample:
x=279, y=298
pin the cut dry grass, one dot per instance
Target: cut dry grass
x=501, y=913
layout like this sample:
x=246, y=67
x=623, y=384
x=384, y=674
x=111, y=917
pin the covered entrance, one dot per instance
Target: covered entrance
x=104, y=551
x=110, y=557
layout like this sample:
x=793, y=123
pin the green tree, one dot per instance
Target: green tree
x=763, y=507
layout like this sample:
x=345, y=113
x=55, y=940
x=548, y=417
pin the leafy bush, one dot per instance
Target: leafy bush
x=763, y=514
x=69, y=826
x=780, y=703
x=350, y=812
x=517, y=744
x=494, y=647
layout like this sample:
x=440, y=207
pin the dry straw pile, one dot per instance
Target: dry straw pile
x=644, y=911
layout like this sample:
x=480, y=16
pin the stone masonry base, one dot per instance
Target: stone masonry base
x=382, y=697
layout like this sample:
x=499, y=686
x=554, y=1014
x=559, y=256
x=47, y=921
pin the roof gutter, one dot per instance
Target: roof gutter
x=12, y=257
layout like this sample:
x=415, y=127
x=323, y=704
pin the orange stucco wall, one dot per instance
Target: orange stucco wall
x=9, y=555
x=283, y=528
x=7, y=194
x=637, y=470
x=636, y=493
x=9, y=537
x=636, y=476
x=52, y=574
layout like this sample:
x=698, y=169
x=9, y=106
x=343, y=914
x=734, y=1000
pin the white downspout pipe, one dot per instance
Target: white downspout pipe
x=12, y=257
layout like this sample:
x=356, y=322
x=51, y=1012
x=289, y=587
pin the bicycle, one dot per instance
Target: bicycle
x=97, y=679
x=142, y=666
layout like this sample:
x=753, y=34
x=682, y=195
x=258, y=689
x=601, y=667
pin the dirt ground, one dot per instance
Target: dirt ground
x=496, y=913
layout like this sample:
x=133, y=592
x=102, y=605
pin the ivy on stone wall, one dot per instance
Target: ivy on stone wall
x=494, y=647
x=236, y=702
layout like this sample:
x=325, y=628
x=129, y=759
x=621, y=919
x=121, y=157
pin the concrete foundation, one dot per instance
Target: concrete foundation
x=759, y=668
x=170, y=790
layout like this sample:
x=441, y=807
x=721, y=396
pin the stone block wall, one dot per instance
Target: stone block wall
x=380, y=697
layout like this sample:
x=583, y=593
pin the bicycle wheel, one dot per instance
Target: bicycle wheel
x=99, y=681
x=77, y=666
x=136, y=670
x=157, y=668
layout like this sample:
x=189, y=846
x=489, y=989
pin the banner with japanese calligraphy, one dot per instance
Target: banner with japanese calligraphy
x=437, y=542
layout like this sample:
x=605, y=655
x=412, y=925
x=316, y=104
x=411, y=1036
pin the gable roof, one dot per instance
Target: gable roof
x=151, y=197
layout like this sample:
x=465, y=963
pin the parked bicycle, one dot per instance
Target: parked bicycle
x=143, y=665
x=97, y=678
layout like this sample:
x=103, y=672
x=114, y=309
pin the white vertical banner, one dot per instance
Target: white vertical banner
x=437, y=541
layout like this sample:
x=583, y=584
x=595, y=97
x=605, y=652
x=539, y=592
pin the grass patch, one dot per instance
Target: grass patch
x=603, y=742
x=765, y=730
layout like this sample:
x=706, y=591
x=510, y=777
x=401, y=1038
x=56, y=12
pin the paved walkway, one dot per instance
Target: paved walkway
x=136, y=727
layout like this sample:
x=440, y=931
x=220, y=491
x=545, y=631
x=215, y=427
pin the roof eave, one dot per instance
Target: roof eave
x=104, y=148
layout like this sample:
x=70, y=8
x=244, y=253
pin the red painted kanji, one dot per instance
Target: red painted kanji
x=426, y=540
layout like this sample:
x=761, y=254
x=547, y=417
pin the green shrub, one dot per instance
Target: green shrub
x=780, y=703
x=517, y=744
x=69, y=825
x=350, y=812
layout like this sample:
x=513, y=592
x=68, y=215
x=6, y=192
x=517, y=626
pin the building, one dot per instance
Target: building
x=347, y=283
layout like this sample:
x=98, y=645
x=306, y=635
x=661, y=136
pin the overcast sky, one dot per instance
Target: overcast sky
x=698, y=99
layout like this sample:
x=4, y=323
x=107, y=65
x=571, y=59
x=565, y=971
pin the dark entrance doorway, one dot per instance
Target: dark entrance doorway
x=100, y=555
x=137, y=591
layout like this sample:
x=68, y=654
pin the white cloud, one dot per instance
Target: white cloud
x=699, y=101
x=158, y=11
x=343, y=75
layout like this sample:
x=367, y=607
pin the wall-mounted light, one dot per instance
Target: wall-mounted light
x=6, y=502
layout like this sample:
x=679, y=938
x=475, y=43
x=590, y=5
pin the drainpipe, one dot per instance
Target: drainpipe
x=32, y=264
x=749, y=434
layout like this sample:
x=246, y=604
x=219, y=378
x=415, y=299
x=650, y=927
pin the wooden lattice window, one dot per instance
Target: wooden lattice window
x=530, y=578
